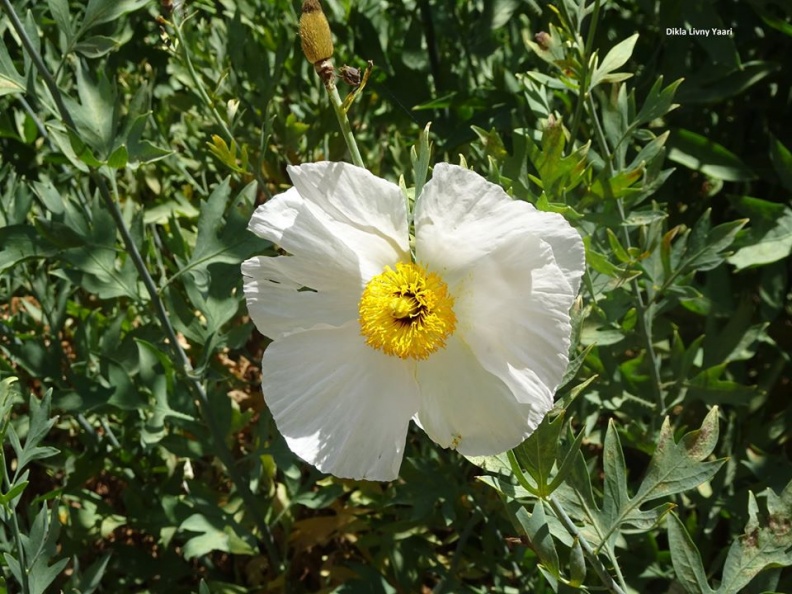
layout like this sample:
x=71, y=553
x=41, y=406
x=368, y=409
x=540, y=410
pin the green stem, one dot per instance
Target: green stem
x=607, y=157
x=23, y=569
x=593, y=559
x=343, y=121
x=199, y=86
x=584, y=82
x=159, y=308
x=645, y=325
x=588, y=551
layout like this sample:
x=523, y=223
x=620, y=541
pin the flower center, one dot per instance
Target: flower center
x=406, y=312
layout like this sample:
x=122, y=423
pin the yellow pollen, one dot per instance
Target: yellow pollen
x=406, y=312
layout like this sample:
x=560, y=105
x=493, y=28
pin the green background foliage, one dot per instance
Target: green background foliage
x=138, y=453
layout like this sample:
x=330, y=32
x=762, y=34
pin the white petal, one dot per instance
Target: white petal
x=512, y=310
x=341, y=405
x=462, y=215
x=278, y=306
x=466, y=407
x=368, y=213
x=319, y=259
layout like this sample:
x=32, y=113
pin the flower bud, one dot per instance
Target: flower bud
x=317, y=42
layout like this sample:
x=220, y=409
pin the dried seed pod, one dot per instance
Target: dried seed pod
x=350, y=75
x=317, y=41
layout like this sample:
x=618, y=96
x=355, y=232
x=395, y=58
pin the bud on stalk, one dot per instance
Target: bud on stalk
x=316, y=39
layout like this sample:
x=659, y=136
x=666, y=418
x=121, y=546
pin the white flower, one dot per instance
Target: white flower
x=470, y=340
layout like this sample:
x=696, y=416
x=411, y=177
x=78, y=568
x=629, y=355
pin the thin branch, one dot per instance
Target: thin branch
x=593, y=559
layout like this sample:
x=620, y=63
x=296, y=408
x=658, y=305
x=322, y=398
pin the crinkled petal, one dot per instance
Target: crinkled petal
x=512, y=310
x=278, y=307
x=368, y=213
x=462, y=216
x=319, y=259
x=341, y=405
x=466, y=407
x=512, y=296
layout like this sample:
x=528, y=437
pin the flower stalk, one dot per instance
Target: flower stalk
x=317, y=45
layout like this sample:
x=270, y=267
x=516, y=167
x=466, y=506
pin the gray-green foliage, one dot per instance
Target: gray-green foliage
x=28, y=551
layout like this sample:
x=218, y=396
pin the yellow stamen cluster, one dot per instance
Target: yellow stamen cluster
x=407, y=312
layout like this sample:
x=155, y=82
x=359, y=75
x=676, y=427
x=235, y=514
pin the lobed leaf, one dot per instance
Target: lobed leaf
x=679, y=467
x=674, y=468
x=767, y=541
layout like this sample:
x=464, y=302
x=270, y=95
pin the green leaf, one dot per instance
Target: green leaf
x=157, y=373
x=419, y=156
x=658, y=102
x=222, y=229
x=704, y=247
x=91, y=579
x=679, y=467
x=216, y=534
x=39, y=426
x=615, y=58
x=558, y=173
x=686, y=558
x=10, y=80
x=96, y=46
x=577, y=565
x=95, y=117
x=58, y=234
x=15, y=490
x=733, y=83
x=708, y=387
x=674, y=468
x=537, y=454
x=767, y=541
x=621, y=185
x=104, y=11
x=769, y=240
x=40, y=547
x=119, y=158
x=781, y=157
x=706, y=156
x=20, y=243
x=537, y=528
x=60, y=13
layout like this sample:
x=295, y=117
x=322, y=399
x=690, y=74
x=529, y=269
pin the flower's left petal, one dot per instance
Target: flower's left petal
x=319, y=259
x=341, y=405
x=279, y=307
x=465, y=407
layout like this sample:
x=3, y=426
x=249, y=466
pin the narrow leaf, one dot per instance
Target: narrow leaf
x=686, y=558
